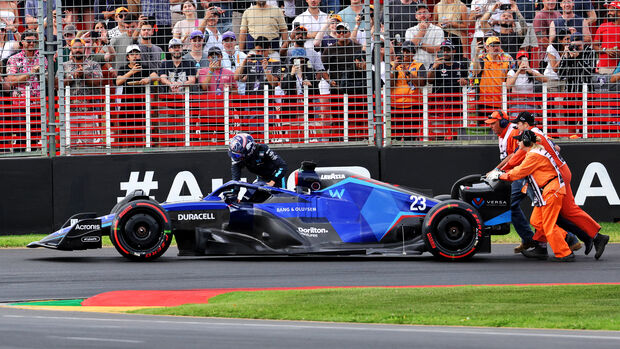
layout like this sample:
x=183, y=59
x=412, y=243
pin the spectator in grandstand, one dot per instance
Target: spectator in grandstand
x=585, y=10
x=119, y=16
x=527, y=9
x=553, y=58
x=196, y=55
x=313, y=19
x=265, y=21
x=521, y=81
x=224, y=9
x=152, y=55
x=7, y=46
x=543, y=20
x=121, y=42
x=102, y=54
x=131, y=81
x=607, y=40
x=31, y=12
x=297, y=74
x=253, y=69
x=190, y=23
x=426, y=36
x=339, y=60
x=577, y=64
x=85, y=78
x=350, y=13
x=177, y=73
x=160, y=10
x=570, y=21
x=233, y=57
x=327, y=35
x=103, y=32
x=214, y=79
x=452, y=17
x=401, y=17
x=299, y=39
x=331, y=6
x=209, y=27
x=358, y=35
x=510, y=32
x=490, y=70
x=106, y=9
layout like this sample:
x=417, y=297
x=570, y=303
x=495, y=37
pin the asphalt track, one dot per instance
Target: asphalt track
x=37, y=274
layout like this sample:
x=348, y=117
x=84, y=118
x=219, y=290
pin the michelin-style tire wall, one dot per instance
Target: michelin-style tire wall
x=38, y=195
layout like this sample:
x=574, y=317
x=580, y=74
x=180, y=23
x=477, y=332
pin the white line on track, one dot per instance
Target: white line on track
x=92, y=339
x=356, y=327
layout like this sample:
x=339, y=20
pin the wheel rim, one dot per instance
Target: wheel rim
x=141, y=232
x=455, y=233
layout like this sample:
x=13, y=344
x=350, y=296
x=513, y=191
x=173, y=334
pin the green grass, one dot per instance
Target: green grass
x=611, y=229
x=493, y=306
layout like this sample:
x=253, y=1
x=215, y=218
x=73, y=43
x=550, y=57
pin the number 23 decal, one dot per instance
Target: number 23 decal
x=418, y=203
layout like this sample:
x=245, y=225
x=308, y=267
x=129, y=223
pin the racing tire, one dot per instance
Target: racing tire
x=466, y=181
x=452, y=230
x=141, y=231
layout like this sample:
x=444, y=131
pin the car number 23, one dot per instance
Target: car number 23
x=418, y=203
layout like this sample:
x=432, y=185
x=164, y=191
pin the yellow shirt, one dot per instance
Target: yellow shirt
x=267, y=22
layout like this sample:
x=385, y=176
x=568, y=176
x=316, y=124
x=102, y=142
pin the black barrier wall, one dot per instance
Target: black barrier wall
x=40, y=194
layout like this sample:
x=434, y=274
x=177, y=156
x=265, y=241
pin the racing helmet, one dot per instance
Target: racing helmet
x=240, y=146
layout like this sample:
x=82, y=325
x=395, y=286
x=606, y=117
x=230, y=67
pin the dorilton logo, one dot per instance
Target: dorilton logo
x=312, y=230
x=333, y=176
x=207, y=216
x=91, y=239
x=87, y=227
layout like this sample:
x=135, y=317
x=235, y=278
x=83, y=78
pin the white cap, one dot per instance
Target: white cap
x=133, y=48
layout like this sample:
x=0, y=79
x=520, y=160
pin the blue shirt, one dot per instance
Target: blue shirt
x=32, y=7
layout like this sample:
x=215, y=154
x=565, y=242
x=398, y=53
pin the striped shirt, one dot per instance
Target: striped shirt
x=577, y=71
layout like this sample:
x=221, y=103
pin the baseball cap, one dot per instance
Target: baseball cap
x=133, y=48
x=196, y=34
x=408, y=45
x=77, y=40
x=614, y=4
x=229, y=34
x=336, y=17
x=492, y=40
x=345, y=25
x=121, y=9
x=175, y=42
x=496, y=116
x=447, y=44
x=214, y=51
x=527, y=135
x=69, y=29
x=522, y=53
x=524, y=116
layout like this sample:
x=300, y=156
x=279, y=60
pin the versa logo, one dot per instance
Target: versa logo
x=336, y=193
x=478, y=202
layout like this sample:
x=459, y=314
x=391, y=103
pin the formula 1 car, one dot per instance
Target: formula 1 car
x=329, y=212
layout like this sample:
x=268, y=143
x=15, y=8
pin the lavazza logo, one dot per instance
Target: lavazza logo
x=333, y=176
x=312, y=231
x=207, y=216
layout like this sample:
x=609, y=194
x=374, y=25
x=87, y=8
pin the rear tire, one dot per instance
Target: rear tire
x=141, y=231
x=452, y=230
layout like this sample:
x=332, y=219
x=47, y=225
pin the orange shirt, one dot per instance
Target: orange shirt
x=402, y=92
x=494, y=73
x=540, y=168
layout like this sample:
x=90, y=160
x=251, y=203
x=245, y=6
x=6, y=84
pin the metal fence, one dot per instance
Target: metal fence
x=150, y=75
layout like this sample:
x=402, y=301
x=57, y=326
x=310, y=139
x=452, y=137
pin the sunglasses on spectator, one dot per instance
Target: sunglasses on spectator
x=30, y=41
x=495, y=44
x=341, y=31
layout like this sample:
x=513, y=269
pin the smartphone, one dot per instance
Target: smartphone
x=297, y=62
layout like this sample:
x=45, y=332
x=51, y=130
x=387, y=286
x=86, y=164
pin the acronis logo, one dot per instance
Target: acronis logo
x=477, y=202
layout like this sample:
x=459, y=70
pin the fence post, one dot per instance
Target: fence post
x=545, y=110
x=187, y=116
x=383, y=117
x=584, y=109
x=425, y=114
x=28, y=119
x=68, y=117
x=226, y=114
x=306, y=117
x=147, y=115
x=504, y=97
x=108, y=121
x=266, y=113
x=465, y=105
x=346, y=118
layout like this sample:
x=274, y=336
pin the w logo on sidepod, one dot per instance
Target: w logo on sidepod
x=478, y=202
x=336, y=193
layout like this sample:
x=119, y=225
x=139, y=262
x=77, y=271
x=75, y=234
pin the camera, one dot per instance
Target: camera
x=297, y=62
x=573, y=48
x=505, y=7
x=94, y=34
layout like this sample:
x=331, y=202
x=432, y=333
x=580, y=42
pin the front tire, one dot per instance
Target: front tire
x=452, y=230
x=141, y=231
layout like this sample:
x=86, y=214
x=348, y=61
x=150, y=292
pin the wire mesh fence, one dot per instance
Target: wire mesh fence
x=134, y=75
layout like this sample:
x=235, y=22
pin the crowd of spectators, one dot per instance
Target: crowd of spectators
x=213, y=45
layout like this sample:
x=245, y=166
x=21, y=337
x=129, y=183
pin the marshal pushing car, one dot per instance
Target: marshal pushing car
x=329, y=212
